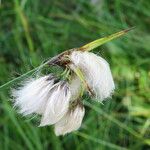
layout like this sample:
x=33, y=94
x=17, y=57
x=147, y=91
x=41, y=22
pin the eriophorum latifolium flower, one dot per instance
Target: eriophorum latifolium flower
x=59, y=100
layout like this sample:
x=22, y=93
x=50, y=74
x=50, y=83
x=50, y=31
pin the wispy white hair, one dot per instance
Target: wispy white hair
x=32, y=96
x=57, y=104
x=96, y=71
x=71, y=121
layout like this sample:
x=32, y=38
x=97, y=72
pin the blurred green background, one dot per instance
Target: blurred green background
x=33, y=31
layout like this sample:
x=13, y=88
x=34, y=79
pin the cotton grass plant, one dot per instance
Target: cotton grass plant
x=57, y=98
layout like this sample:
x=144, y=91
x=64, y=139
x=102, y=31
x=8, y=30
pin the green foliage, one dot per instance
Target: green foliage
x=33, y=31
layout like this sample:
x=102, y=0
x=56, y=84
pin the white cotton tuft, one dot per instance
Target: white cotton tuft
x=71, y=121
x=57, y=104
x=32, y=96
x=96, y=71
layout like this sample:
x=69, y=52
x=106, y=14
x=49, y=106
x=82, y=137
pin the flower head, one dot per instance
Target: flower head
x=96, y=72
x=57, y=104
x=32, y=96
x=71, y=121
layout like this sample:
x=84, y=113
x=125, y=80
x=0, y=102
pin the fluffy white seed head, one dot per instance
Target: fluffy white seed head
x=57, y=104
x=32, y=96
x=71, y=121
x=96, y=71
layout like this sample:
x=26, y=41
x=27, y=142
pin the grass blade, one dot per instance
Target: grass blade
x=99, y=141
x=103, y=40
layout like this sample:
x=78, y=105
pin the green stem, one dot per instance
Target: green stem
x=22, y=76
x=79, y=73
